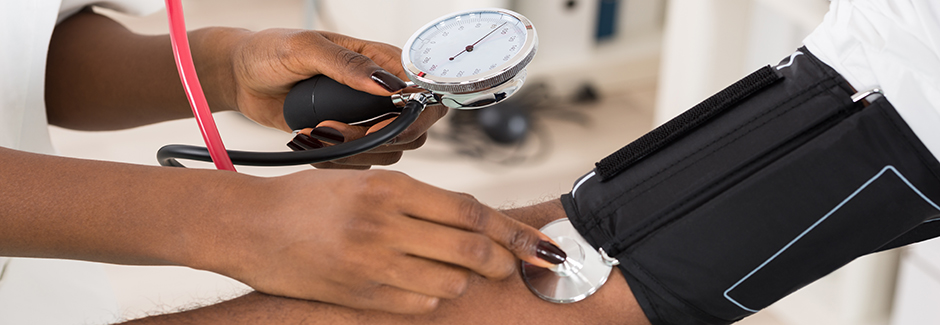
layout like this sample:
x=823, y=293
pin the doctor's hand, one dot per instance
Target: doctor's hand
x=266, y=64
x=329, y=133
x=368, y=240
x=102, y=76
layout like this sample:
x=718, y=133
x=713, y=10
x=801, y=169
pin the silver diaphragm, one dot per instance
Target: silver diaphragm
x=578, y=277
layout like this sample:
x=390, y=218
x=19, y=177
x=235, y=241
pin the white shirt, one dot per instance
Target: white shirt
x=44, y=291
x=890, y=44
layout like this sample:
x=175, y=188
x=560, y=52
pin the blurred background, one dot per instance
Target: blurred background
x=607, y=71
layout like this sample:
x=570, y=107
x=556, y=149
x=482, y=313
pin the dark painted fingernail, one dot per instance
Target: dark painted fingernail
x=303, y=142
x=328, y=134
x=550, y=253
x=388, y=81
x=295, y=147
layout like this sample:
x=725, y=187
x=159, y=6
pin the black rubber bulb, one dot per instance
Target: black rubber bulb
x=320, y=98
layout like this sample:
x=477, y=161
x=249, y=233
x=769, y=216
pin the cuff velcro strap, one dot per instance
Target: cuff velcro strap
x=685, y=122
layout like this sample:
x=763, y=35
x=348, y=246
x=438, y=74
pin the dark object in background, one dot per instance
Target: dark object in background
x=505, y=123
x=606, y=20
x=509, y=122
x=586, y=94
x=571, y=4
x=511, y=132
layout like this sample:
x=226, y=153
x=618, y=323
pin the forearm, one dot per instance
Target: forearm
x=100, y=76
x=109, y=212
x=486, y=302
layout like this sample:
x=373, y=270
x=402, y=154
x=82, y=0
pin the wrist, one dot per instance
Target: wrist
x=214, y=51
x=540, y=214
x=213, y=235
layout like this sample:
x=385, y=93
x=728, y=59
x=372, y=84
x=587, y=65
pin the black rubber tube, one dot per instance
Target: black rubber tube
x=168, y=154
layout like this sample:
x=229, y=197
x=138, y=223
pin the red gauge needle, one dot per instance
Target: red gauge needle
x=469, y=48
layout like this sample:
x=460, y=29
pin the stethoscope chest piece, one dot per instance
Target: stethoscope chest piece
x=585, y=270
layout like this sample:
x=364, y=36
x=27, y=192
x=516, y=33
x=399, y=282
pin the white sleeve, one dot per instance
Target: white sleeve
x=892, y=45
x=132, y=7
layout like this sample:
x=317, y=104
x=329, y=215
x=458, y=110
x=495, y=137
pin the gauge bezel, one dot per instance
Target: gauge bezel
x=477, y=82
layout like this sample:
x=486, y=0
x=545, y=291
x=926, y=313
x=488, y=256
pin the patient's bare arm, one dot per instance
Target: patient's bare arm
x=485, y=302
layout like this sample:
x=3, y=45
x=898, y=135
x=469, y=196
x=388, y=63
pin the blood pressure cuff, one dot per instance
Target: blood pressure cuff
x=759, y=190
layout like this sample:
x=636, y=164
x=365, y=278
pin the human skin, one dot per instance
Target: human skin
x=304, y=235
x=505, y=301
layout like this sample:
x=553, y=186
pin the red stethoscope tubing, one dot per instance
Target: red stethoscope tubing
x=194, y=93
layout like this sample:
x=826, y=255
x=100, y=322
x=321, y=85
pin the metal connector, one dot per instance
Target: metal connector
x=422, y=97
x=610, y=261
x=859, y=96
x=401, y=98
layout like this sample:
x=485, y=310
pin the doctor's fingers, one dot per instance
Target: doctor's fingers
x=360, y=161
x=419, y=128
x=446, y=244
x=386, y=298
x=423, y=276
x=385, y=55
x=412, y=138
x=332, y=132
x=464, y=212
x=349, y=61
x=383, y=155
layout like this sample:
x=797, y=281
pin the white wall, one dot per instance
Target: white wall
x=709, y=44
x=389, y=21
x=918, y=291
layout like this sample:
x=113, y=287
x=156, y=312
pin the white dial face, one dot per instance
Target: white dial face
x=468, y=44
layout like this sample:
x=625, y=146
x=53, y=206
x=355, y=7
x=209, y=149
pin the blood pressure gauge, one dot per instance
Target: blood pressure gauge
x=465, y=60
x=473, y=58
